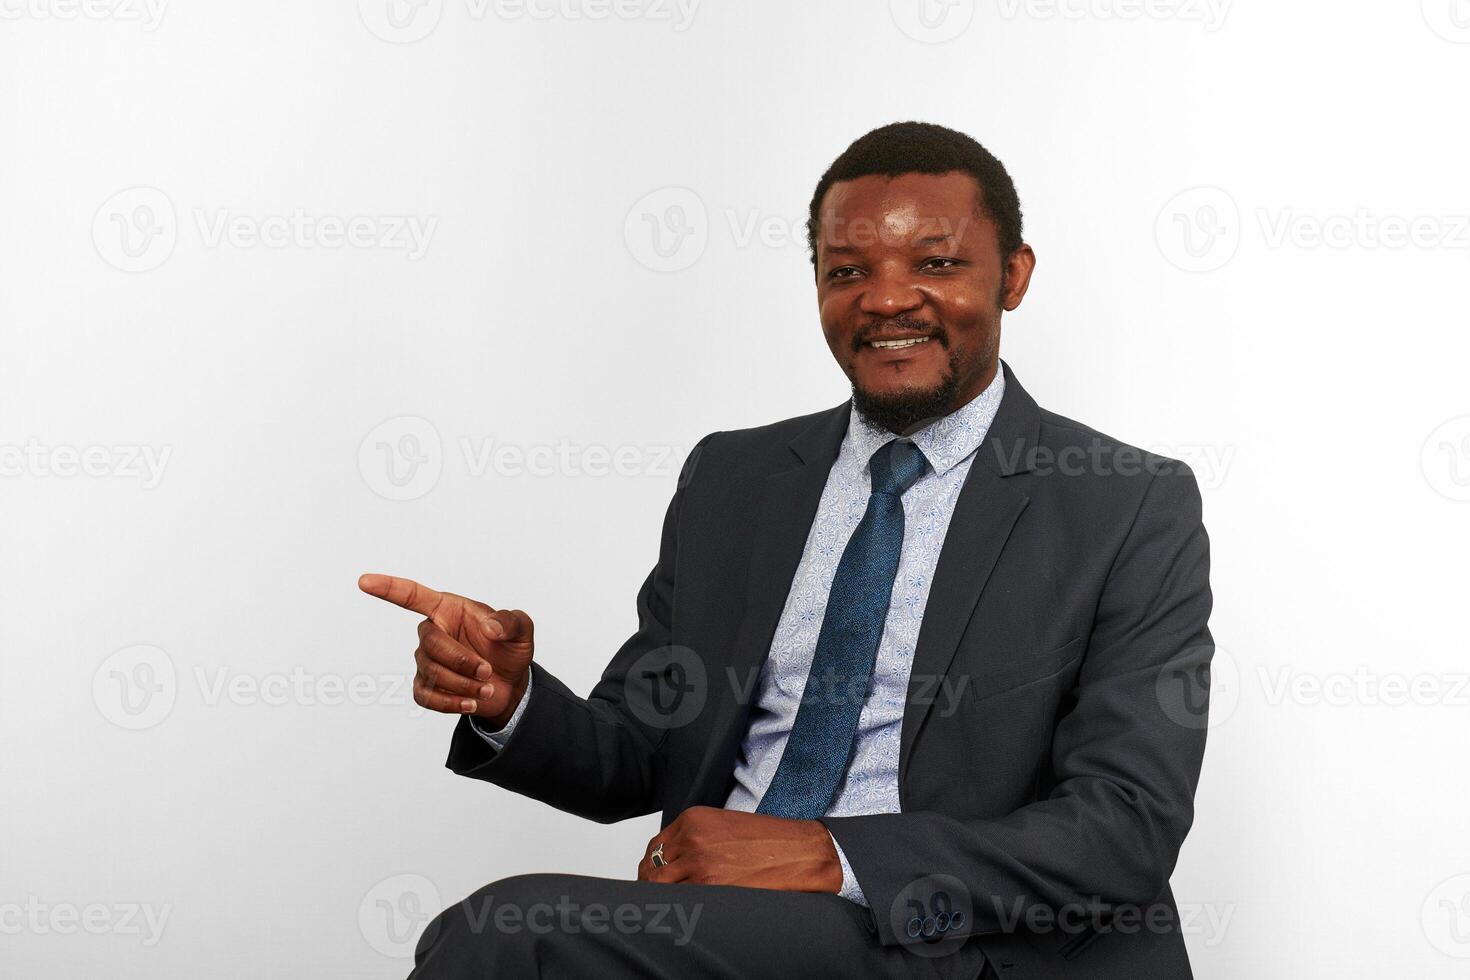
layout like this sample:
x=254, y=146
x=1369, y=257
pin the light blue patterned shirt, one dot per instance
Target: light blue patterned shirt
x=870, y=784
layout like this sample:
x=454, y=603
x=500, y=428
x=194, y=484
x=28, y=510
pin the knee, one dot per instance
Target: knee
x=496, y=930
x=519, y=892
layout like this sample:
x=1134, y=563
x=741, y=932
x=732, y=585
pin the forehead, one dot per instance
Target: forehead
x=902, y=207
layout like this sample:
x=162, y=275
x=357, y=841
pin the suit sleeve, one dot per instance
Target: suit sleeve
x=1126, y=757
x=597, y=757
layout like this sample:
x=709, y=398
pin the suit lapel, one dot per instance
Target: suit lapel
x=788, y=506
x=984, y=515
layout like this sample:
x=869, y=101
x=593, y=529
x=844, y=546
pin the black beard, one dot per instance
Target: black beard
x=910, y=409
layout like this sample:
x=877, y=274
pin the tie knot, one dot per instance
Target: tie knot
x=895, y=467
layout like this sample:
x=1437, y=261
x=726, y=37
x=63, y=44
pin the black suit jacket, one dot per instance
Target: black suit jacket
x=1055, y=726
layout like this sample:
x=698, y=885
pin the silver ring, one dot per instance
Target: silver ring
x=658, y=856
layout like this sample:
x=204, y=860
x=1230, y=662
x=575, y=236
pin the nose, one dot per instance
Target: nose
x=887, y=293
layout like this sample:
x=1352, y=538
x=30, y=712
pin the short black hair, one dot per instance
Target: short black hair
x=925, y=148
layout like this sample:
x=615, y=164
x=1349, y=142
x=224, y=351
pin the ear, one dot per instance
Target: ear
x=1019, y=266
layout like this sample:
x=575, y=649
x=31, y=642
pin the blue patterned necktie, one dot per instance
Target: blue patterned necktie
x=815, y=757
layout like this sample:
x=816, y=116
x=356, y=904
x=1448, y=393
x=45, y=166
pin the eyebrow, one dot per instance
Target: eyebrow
x=924, y=242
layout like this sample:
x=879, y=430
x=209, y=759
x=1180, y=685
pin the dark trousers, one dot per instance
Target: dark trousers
x=555, y=925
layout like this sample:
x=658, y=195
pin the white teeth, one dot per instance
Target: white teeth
x=911, y=341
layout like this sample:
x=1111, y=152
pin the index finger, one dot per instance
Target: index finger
x=403, y=592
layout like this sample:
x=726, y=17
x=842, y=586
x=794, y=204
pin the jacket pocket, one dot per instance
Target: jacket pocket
x=1007, y=677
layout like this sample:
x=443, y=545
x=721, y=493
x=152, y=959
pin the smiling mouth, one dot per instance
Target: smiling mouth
x=896, y=344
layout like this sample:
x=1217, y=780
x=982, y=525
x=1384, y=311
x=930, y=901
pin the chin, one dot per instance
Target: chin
x=899, y=387
x=905, y=407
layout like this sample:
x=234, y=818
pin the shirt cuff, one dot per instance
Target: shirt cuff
x=851, y=890
x=498, y=739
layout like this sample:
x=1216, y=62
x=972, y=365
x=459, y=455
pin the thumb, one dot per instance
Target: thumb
x=508, y=626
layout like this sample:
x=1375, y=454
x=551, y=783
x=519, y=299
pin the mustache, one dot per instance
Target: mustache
x=899, y=324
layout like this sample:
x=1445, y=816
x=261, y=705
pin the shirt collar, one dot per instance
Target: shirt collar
x=945, y=441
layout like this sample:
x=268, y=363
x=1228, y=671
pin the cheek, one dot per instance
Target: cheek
x=982, y=289
x=970, y=306
x=961, y=313
x=826, y=311
x=832, y=327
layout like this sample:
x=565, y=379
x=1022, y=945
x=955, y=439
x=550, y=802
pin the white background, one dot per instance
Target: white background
x=172, y=636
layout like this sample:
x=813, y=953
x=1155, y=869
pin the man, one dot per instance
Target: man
x=918, y=681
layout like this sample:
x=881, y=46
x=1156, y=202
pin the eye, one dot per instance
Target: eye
x=939, y=258
x=836, y=273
